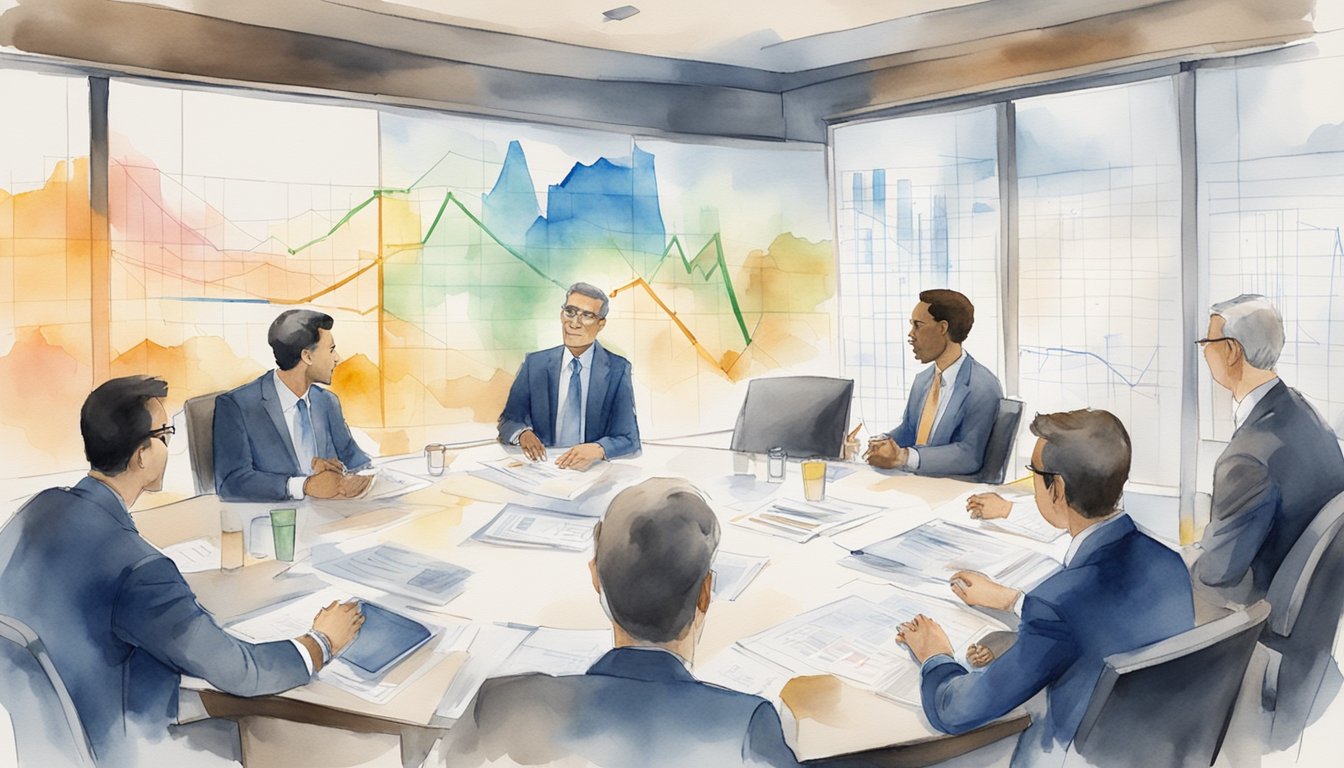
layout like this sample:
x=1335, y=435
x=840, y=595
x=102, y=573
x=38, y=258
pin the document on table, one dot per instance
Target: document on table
x=855, y=638
x=934, y=551
x=542, y=477
x=1023, y=518
x=388, y=483
x=492, y=645
x=733, y=572
x=557, y=652
x=520, y=526
x=802, y=521
x=395, y=569
x=194, y=556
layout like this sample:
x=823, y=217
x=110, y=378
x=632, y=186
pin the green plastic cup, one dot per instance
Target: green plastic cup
x=282, y=533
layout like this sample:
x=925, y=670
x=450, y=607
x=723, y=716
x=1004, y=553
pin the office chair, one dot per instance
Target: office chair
x=1169, y=703
x=999, y=447
x=1307, y=597
x=47, y=729
x=200, y=415
x=804, y=415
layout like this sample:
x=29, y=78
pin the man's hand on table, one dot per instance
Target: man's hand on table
x=581, y=457
x=531, y=445
x=988, y=506
x=884, y=453
x=977, y=589
x=924, y=638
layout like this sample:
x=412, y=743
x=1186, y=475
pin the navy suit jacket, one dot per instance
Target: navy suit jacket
x=119, y=622
x=1122, y=590
x=254, y=455
x=1280, y=468
x=610, y=420
x=957, y=445
x=634, y=707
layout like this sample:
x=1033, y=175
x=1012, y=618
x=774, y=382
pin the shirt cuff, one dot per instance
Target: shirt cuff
x=303, y=652
x=1017, y=604
x=935, y=660
x=295, y=487
x=514, y=439
x=911, y=458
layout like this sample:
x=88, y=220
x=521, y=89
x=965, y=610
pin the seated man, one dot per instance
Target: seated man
x=1119, y=590
x=119, y=622
x=279, y=436
x=1279, y=469
x=638, y=705
x=582, y=400
x=953, y=403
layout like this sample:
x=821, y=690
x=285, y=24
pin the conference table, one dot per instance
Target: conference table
x=524, y=588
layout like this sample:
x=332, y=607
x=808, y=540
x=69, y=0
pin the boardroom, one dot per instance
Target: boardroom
x=408, y=383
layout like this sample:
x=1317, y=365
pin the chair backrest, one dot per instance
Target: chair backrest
x=47, y=729
x=1169, y=703
x=999, y=447
x=200, y=416
x=1291, y=584
x=804, y=415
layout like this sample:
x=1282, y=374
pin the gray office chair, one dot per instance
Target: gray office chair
x=1307, y=595
x=1169, y=703
x=47, y=729
x=999, y=448
x=200, y=414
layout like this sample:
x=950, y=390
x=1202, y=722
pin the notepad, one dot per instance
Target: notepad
x=385, y=639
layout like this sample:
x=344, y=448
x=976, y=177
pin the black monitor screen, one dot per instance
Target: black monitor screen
x=804, y=415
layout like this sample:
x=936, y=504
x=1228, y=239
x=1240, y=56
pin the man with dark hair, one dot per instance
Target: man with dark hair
x=282, y=436
x=120, y=624
x=953, y=403
x=1119, y=590
x=575, y=396
x=639, y=704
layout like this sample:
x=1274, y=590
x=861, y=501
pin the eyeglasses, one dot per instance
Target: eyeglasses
x=1202, y=342
x=570, y=312
x=1046, y=475
x=162, y=433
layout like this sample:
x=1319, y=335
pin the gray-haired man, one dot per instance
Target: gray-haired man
x=1281, y=466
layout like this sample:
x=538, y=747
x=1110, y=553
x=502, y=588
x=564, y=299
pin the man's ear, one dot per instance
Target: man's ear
x=1057, y=493
x=706, y=592
x=592, y=569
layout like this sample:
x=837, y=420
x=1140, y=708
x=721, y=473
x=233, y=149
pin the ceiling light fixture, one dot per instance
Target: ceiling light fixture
x=620, y=14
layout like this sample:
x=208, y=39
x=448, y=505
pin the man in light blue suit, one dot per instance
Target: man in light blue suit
x=577, y=395
x=120, y=624
x=1119, y=590
x=282, y=436
x=638, y=705
x=952, y=404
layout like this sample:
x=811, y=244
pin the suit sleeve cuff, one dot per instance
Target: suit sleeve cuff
x=303, y=653
x=911, y=458
x=513, y=439
x=935, y=660
x=295, y=487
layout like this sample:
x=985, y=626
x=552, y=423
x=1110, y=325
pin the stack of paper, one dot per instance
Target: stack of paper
x=194, y=556
x=398, y=570
x=804, y=520
x=389, y=483
x=934, y=551
x=733, y=572
x=520, y=526
x=1025, y=520
x=540, y=477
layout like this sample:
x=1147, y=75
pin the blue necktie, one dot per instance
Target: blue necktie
x=571, y=420
x=304, y=449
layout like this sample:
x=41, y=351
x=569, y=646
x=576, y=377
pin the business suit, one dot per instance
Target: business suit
x=1122, y=590
x=254, y=454
x=610, y=420
x=1281, y=466
x=957, y=444
x=634, y=707
x=119, y=622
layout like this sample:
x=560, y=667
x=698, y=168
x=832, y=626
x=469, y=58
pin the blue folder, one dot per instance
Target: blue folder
x=385, y=639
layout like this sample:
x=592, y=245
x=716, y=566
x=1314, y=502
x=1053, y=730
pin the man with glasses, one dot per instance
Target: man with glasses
x=576, y=396
x=1279, y=469
x=120, y=624
x=1119, y=590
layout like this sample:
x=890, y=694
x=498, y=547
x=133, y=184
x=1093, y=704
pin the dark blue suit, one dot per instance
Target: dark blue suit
x=1278, y=471
x=957, y=445
x=610, y=420
x=254, y=455
x=634, y=707
x=118, y=620
x=1122, y=590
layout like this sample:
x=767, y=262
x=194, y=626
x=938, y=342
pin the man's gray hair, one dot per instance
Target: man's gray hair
x=592, y=292
x=1256, y=325
x=653, y=549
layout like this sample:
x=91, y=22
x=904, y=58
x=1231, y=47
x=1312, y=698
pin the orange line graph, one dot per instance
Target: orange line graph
x=639, y=282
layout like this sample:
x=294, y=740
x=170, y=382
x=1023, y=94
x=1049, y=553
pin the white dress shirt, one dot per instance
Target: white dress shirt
x=949, y=382
x=1241, y=409
x=289, y=407
x=585, y=360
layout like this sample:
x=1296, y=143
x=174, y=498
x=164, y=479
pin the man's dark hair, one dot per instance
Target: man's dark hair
x=956, y=309
x=653, y=549
x=1091, y=451
x=294, y=331
x=115, y=420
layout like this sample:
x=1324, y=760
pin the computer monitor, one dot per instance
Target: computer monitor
x=804, y=415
